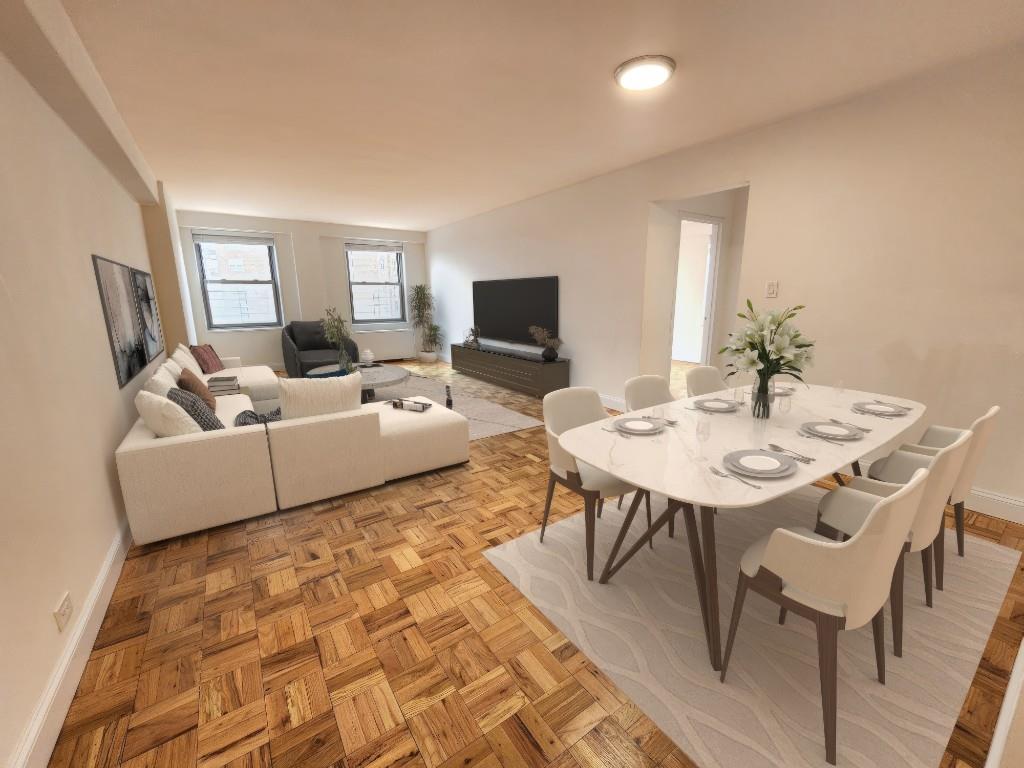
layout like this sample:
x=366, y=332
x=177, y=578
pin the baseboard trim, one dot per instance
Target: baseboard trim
x=39, y=738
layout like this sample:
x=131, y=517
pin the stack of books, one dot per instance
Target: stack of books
x=223, y=385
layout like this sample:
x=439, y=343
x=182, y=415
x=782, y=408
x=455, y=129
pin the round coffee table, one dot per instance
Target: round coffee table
x=373, y=378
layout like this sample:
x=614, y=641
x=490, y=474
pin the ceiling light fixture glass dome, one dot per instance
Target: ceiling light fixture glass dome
x=644, y=72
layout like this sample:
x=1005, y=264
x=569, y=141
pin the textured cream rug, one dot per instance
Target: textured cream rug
x=644, y=630
x=486, y=419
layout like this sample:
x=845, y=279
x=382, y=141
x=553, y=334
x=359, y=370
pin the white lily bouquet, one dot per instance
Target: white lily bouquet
x=768, y=345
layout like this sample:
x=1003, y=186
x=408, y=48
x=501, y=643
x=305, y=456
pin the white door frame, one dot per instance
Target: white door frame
x=711, y=281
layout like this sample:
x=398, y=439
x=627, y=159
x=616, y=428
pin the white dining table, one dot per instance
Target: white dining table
x=677, y=462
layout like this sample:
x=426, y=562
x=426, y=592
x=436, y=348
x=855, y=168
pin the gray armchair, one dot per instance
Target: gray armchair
x=305, y=347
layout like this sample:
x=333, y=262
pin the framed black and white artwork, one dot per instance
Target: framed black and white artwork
x=149, y=317
x=121, y=313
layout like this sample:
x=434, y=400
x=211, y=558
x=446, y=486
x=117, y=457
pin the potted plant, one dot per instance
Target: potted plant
x=768, y=345
x=336, y=332
x=544, y=339
x=421, y=304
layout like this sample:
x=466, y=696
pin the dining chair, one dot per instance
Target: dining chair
x=846, y=514
x=647, y=391
x=703, y=380
x=565, y=409
x=836, y=585
x=935, y=438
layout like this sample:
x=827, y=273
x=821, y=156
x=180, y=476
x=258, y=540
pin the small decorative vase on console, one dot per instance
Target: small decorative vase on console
x=761, y=398
x=550, y=354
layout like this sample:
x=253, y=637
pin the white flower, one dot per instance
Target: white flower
x=749, y=362
x=783, y=346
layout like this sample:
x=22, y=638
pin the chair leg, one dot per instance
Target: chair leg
x=737, y=611
x=896, y=606
x=856, y=469
x=590, y=516
x=878, y=632
x=828, y=652
x=619, y=505
x=939, y=553
x=782, y=615
x=647, y=500
x=927, y=565
x=547, y=504
x=600, y=507
x=838, y=478
x=958, y=515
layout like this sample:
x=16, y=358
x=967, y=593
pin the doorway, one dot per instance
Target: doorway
x=696, y=278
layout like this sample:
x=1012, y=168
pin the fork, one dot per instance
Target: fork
x=730, y=475
x=798, y=456
x=816, y=437
x=850, y=424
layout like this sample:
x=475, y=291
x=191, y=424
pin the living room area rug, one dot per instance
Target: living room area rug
x=486, y=418
x=644, y=630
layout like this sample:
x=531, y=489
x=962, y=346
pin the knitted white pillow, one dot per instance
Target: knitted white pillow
x=315, y=397
x=184, y=358
x=161, y=382
x=164, y=418
x=172, y=367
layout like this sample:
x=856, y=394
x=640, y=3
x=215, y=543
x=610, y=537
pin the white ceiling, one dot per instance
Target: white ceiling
x=415, y=113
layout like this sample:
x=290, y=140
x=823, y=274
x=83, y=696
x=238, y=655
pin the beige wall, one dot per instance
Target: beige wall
x=895, y=217
x=161, y=224
x=312, y=276
x=64, y=413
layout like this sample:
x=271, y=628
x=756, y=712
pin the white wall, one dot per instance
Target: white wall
x=312, y=275
x=895, y=217
x=64, y=414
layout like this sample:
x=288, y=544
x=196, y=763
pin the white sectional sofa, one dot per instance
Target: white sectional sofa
x=177, y=485
x=259, y=382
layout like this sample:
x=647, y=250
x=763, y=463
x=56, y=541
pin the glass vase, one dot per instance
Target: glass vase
x=761, y=398
x=344, y=361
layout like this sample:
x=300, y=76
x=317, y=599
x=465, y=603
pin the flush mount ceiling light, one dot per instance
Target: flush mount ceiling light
x=644, y=72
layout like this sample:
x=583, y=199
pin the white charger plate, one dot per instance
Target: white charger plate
x=832, y=431
x=716, y=405
x=880, y=409
x=758, y=463
x=632, y=426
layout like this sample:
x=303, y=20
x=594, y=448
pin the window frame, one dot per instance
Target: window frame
x=269, y=243
x=399, y=250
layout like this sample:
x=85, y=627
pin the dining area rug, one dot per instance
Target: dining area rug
x=644, y=630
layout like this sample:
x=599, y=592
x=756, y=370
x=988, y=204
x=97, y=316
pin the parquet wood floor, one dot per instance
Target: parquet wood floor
x=370, y=632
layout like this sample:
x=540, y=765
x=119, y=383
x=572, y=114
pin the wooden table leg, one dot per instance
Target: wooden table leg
x=707, y=525
x=611, y=568
x=626, y=523
x=699, y=578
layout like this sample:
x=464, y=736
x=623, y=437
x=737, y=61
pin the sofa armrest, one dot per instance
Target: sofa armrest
x=319, y=457
x=175, y=485
x=231, y=362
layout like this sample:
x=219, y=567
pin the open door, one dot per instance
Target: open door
x=696, y=278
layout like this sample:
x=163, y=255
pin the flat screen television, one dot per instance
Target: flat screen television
x=505, y=309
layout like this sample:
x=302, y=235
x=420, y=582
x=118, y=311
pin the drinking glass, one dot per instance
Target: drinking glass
x=739, y=391
x=658, y=412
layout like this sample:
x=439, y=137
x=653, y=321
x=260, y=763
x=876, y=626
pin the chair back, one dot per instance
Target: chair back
x=647, y=391
x=563, y=410
x=703, y=380
x=982, y=429
x=869, y=556
x=943, y=470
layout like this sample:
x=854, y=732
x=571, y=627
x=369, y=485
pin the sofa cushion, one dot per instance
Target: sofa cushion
x=160, y=383
x=309, y=334
x=229, y=406
x=164, y=418
x=207, y=358
x=192, y=383
x=259, y=380
x=171, y=367
x=194, y=406
x=316, y=397
x=185, y=360
x=414, y=442
x=314, y=358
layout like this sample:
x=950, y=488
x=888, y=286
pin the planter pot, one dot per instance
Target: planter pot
x=549, y=354
x=427, y=357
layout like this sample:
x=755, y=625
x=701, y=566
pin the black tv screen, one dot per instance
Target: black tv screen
x=505, y=309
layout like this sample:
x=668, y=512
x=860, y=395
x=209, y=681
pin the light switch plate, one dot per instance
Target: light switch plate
x=771, y=289
x=62, y=613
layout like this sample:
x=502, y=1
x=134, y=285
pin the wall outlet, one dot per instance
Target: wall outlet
x=771, y=289
x=62, y=613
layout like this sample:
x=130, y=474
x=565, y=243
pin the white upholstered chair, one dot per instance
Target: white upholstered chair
x=563, y=410
x=846, y=513
x=703, y=380
x=935, y=438
x=837, y=585
x=647, y=391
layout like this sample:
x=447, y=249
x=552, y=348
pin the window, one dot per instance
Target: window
x=239, y=279
x=375, y=283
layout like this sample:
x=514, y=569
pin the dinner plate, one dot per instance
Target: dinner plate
x=880, y=409
x=632, y=426
x=758, y=463
x=832, y=431
x=716, y=405
x=784, y=390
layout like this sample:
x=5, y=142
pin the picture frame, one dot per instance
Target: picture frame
x=122, y=318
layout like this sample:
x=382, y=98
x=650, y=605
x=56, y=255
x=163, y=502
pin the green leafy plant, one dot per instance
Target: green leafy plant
x=769, y=345
x=421, y=304
x=544, y=338
x=337, y=333
x=432, y=337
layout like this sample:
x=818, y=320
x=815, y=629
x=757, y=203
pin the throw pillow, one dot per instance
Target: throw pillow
x=248, y=418
x=160, y=382
x=192, y=383
x=315, y=397
x=164, y=418
x=198, y=410
x=172, y=367
x=184, y=359
x=208, y=360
